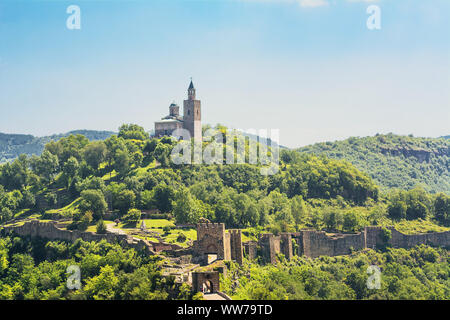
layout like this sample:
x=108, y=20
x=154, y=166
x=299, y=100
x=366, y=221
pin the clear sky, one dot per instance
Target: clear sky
x=310, y=68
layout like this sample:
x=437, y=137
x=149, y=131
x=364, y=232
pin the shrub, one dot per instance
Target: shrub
x=181, y=237
x=5, y=214
x=85, y=221
x=386, y=235
x=101, y=227
x=132, y=217
x=51, y=199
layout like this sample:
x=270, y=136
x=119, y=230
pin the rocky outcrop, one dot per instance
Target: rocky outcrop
x=421, y=154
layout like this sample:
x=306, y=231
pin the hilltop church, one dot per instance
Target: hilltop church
x=191, y=119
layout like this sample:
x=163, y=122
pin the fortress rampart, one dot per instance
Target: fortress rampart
x=373, y=238
x=213, y=239
x=49, y=230
x=312, y=243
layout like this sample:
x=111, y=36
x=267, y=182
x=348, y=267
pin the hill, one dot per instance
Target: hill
x=12, y=145
x=394, y=161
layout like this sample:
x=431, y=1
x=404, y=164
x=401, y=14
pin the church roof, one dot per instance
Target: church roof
x=191, y=86
x=166, y=120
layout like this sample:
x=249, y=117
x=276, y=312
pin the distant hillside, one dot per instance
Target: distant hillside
x=267, y=141
x=12, y=145
x=395, y=161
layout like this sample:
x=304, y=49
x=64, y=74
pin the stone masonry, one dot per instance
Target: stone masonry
x=312, y=243
x=213, y=239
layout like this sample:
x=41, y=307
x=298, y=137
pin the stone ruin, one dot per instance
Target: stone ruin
x=213, y=239
x=227, y=245
x=312, y=243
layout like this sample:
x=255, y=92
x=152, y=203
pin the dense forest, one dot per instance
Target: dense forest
x=130, y=171
x=81, y=181
x=13, y=145
x=395, y=161
x=37, y=270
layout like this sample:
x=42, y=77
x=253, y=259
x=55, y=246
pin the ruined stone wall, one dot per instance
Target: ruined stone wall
x=374, y=238
x=49, y=230
x=227, y=246
x=298, y=238
x=286, y=245
x=236, y=246
x=211, y=239
x=250, y=249
x=312, y=243
x=200, y=278
x=268, y=248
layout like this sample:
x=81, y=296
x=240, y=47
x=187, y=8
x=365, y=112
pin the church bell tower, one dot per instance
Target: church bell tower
x=193, y=114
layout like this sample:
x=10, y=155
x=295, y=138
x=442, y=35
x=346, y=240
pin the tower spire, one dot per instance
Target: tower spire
x=191, y=91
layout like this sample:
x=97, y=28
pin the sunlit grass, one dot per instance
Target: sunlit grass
x=418, y=226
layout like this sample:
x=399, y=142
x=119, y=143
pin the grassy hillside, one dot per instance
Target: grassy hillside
x=12, y=145
x=86, y=185
x=395, y=161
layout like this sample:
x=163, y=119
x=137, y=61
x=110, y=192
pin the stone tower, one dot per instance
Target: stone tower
x=193, y=114
x=174, y=110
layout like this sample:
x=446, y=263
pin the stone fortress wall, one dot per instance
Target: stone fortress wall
x=49, y=230
x=313, y=243
x=212, y=238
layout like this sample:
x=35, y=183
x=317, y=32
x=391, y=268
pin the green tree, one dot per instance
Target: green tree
x=132, y=217
x=46, y=165
x=162, y=153
x=298, y=208
x=351, y=221
x=187, y=209
x=397, y=209
x=164, y=195
x=85, y=221
x=93, y=200
x=125, y=201
x=332, y=218
x=122, y=162
x=132, y=131
x=5, y=214
x=95, y=153
x=103, y=286
x=70, y=170
x=442, y=209
x=101, y=227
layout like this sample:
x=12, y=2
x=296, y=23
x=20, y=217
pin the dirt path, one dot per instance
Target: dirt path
x=213, y=296
x=110, y=228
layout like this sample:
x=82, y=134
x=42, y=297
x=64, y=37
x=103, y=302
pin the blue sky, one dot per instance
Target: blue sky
x=310, y=68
